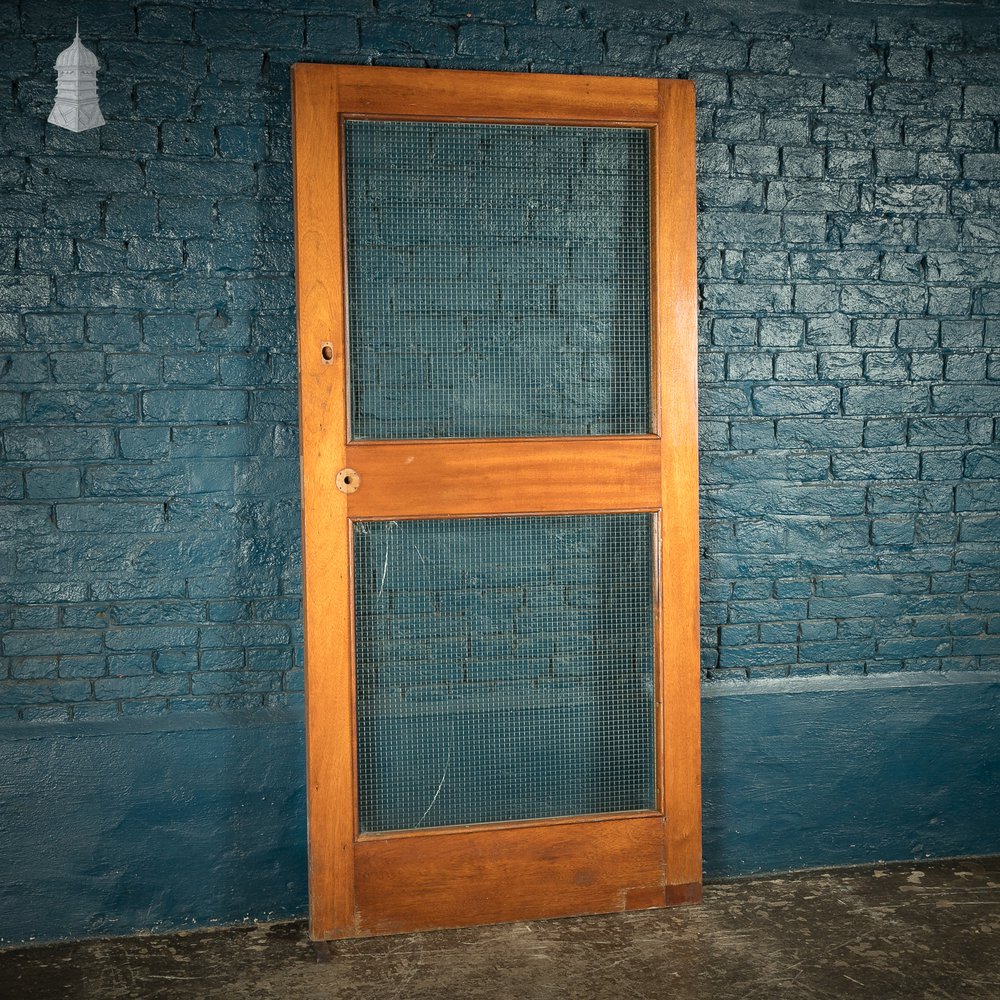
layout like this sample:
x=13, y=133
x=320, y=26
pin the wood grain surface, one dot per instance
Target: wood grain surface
x=522, y=872
x=455, y=478
x=424, y=879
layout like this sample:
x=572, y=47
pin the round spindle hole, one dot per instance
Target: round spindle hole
x=348, y=481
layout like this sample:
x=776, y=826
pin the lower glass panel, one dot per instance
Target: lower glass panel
x=504, y=669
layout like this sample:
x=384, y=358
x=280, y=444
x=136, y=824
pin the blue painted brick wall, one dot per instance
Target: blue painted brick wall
x=849, y=189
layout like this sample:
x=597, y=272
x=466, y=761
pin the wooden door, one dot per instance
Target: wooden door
x=497, y=339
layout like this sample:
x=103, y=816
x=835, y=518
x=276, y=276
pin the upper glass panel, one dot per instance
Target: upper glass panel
x=498, y=280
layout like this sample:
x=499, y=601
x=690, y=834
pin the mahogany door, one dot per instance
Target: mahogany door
x=497, y=310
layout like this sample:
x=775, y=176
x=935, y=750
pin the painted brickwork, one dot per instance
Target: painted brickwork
x=850, y=263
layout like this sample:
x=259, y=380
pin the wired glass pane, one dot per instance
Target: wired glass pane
x=504, y=668
x=498, y=279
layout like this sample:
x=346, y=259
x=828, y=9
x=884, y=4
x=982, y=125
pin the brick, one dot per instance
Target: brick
x=776, y=91
x=690, y=50
x=835, y=500
x=971, y=135
x=965, y=398
x=739, y=228
x=875, y=299
x=40, y=692
x=402, y=37
x=800, y=161
x=223, y=682
x=45, y=254
x=713, y=159
x=982, y=465
x=198, y=178
x=886, y=366
x=926, y=366
x=626, y=48
x=918, y=333
x=981, y=166
x=820, y=433
x=47, y=444
x=896, y=163
x=337, y=33
x=906, y=499
x=884, y=399
x=737, y=125
x=878, y=232
x=778, y=400
x=719, y=193
x=80, y=406
x=875, y=466
x=77, y=367
x=106, y=688
x=929, y=97
x=744, y=298
x=56, y=642
x=109, y=517
x=239, y=142
x=918, y=199
x=811, y=195
x=751, y=434
x=194, y=405
x=840, y=365
x=780, y=331
x=965, y=367
x=119, y=329
x=752, y=367
x=835, y=264
x=150, y=638
x=187, y=139
x=882, y=433
x=166, y=22
x=941, y=465
x=27, y=369
x=249, y=27
x=24, y=292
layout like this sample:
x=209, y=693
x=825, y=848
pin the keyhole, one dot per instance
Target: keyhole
x=327, y=352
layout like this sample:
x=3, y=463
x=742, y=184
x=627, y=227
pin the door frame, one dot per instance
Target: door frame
x=356, y=888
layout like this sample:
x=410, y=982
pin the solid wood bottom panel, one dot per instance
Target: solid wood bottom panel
x=470, y=877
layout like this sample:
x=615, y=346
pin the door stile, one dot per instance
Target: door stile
x=327, y=604
x=677, y=320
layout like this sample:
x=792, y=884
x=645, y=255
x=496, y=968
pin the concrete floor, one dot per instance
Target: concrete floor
x=913, y=931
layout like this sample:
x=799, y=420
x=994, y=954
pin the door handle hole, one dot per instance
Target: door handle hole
x=348, y=481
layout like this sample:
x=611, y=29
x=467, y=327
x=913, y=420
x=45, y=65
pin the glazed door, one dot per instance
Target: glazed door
x=496, y=293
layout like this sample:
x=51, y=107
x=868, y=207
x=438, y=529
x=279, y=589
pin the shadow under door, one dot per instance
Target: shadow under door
x=496, y=293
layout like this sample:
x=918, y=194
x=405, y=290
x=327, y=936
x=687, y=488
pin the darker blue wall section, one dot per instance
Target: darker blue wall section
x=849, y=189
x=838, y=773
x=111, y=828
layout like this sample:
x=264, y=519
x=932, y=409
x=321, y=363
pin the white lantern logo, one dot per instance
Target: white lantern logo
x=76, y=106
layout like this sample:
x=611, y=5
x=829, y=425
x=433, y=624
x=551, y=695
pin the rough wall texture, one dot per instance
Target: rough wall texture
x=149, y=559
x=850, y=265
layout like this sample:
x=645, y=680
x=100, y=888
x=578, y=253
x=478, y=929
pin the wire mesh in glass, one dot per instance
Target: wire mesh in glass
x=498, y=279
x=504, y=669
